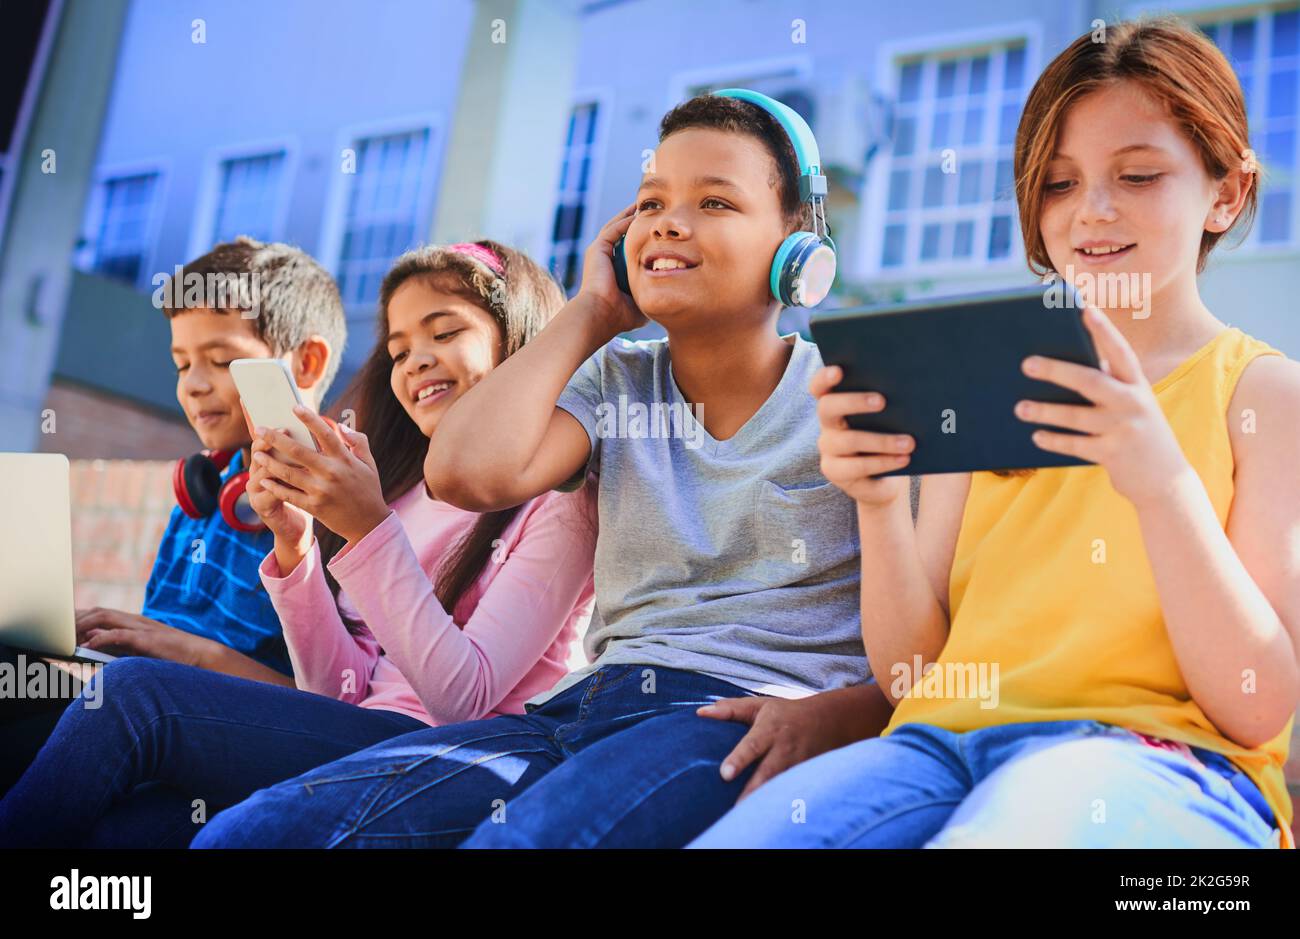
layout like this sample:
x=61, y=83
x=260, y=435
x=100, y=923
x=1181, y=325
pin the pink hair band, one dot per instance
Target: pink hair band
x=480, y=253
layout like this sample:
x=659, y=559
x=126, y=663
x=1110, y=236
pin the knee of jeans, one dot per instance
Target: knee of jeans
x=1086, y=762
x=1053, y=794
x=1098, y=771
x=119, y=683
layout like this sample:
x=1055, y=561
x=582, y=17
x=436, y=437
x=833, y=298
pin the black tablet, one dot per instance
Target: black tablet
x=950, y=372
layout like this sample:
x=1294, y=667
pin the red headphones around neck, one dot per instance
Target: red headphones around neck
x=200, y=492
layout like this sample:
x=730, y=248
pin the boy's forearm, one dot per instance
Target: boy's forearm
x=496, y=427
x=227, y=661
x=901, y=617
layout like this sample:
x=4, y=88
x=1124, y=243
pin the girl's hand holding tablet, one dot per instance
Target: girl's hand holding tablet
x=1124, y=430
x=339, y=486
x=851, y=458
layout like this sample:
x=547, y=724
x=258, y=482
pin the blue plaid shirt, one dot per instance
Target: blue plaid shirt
x=216, y=592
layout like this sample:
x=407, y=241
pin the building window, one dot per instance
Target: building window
x=950, y=197
x=383, y=211
x=567, y=241
x=247, y=197
x=121, y=239
x=1264, y=49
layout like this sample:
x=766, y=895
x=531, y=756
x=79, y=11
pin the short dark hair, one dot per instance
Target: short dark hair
x=296, y=298
x=742, y=117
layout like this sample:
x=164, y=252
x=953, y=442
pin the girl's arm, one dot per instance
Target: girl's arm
x=463, y=674
x=1230, y=600
x=905, y=573
x=327, y=659
x=505, y=441
x=904, y=568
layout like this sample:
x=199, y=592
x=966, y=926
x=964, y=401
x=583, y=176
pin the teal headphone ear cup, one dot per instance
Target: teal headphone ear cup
x=778, y=263
x=803, y=269
x=620, y=267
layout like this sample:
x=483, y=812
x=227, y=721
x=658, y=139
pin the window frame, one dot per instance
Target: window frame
x=681, y=84
x=334, y=216
x=932, y=49
x=1203, y=15
x=592, y=219
x=207, y=201
x=93, y=220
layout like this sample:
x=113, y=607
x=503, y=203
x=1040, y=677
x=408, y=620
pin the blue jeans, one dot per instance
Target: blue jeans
x=1048, y=784
x=128, y=772
x=619, y=759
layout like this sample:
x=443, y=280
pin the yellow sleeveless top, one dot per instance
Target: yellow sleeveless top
x=1050, y=581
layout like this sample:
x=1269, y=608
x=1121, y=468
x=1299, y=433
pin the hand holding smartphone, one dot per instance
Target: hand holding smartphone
x=268, y=393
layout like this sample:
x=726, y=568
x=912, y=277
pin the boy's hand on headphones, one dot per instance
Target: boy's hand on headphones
x=1123, y=430
x=600, y=286
x=852, y=458
x=339, y=485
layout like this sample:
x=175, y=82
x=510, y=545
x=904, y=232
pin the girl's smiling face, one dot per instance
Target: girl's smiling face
x=1124, y=176
x=441, y=343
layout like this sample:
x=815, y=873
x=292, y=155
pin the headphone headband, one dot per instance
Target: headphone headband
x=803, y=269
x=800, y=134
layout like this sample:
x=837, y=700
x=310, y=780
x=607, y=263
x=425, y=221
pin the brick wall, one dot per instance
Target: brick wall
x=119, y=510
x=90, y=424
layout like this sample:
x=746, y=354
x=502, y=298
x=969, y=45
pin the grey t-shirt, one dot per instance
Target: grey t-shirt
x=732, y=558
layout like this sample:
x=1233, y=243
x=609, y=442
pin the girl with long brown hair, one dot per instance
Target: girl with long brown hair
x=461, y=637
x=1099, y=655
x=418, y=612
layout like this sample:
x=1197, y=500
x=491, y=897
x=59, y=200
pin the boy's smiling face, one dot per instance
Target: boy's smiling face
x=708, y=224
x=204, y=343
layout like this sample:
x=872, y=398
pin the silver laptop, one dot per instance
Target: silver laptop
x=36, y=612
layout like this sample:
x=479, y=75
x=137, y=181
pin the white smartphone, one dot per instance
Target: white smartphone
x=269, y=394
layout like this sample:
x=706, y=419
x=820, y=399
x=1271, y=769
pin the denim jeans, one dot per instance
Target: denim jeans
x=126, y=773
x=619, y=759
x=1047, y=784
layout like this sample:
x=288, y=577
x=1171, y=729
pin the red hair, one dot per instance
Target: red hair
x=1176, y=65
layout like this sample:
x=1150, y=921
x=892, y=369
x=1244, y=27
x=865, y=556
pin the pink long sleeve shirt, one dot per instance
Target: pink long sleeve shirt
x=507, y=639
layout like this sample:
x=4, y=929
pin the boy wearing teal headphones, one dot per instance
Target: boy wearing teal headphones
x=725, y=646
